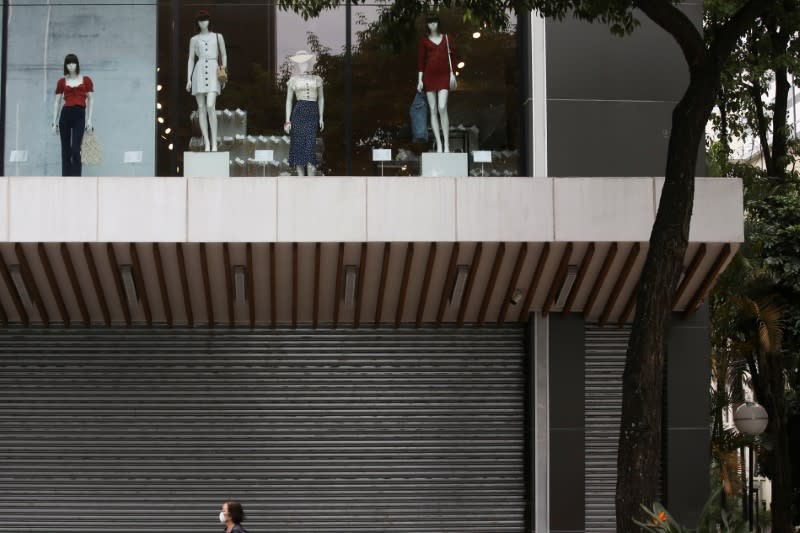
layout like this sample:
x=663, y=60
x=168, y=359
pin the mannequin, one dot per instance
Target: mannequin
x=202, y=80
x=74, y=104
x=435, y=78
x=302, y=121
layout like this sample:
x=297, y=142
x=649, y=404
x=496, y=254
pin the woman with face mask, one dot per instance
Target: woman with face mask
x=206, y=54
x=232, y=516
x=74, y=103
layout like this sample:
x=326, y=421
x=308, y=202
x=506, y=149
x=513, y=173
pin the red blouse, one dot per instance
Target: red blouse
x=75, y=96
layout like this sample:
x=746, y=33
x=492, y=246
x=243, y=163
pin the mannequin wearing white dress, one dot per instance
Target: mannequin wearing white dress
x=204, y=49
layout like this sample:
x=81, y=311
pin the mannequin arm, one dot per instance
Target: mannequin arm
x=419, y=81
x=56, y=109
x=287, y=126
x=321, y=105
x=190, y=67
x=223, y=51
x=89, y=109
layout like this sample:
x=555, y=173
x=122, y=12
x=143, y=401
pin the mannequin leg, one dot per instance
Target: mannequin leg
x=444, y=118
x=78, y=129
x=202, y=118
x=301, y=171
x=211, y=104
x=65, y=132
x=434, y=119
x=312, y=170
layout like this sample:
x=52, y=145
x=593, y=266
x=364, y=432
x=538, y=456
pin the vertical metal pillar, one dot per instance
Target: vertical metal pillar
x=4, y=73
x=750, y=492
x=348, y=91
x=174, y=88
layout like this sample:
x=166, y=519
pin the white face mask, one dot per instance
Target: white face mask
x=203, y=24
x=71, y=68
x=221, y=517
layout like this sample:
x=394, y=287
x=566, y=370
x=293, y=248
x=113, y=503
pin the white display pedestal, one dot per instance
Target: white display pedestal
x=435, y=164
x=206, y=165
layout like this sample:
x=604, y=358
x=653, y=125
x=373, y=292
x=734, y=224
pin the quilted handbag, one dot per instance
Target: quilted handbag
x=91, y=154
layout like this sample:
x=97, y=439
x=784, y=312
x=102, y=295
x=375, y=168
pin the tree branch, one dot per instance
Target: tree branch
x=729, y=34
x=676, y=23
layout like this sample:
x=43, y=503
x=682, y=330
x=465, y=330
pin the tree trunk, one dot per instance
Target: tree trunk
x=774, y=401
x=640, y=430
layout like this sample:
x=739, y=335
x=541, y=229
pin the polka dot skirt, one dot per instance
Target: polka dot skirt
x=305, y=123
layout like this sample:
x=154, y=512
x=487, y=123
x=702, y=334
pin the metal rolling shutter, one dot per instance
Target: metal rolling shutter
x=605, y=363
x=381, y=430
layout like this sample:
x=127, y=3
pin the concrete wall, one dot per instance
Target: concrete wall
x=116, y=44
x=291, y=209
x=610, y=99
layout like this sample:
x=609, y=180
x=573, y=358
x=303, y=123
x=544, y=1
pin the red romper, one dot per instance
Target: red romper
x=433, y=63
x=75, y=96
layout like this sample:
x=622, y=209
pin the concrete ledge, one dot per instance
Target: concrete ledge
x=233, y=210
x=357, y=209
x=52, y=209
x=141, y=210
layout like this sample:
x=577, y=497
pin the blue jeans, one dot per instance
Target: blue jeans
x=71, y=126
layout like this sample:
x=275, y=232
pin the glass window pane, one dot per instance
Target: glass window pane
x=115, y=45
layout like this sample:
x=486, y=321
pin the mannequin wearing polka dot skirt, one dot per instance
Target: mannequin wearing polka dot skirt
x=206, y=52
x=304, y=120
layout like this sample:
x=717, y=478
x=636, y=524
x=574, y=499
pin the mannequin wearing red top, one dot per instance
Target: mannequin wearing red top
x=435, y=77
x=74, y=104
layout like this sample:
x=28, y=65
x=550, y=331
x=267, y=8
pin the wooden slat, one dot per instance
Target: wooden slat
x=601, y=278
x=448, y=284
x=123, y=302
x=629, y=305
x=226, y=258
x=473, y=273
x=534, y=284
x=273, y=298
x=295, y=282
x=360, y=282
x=387, y=254
x=317, y=264
x=3, y=316
x=512, y=285
x=337, y=296
x=30, y=283
x=587, y=259
x=139, y=275
x=699, y=255
x=558, y=279
x=621, y=279
x=66, y=257
x=12, y=290
x=187, y=296
x=708, y=281
x=98, y=287
x=426, y=284
x=206, y=284
x=251, y=290
x=487, y=296
x=162, y=284
x=401, y=303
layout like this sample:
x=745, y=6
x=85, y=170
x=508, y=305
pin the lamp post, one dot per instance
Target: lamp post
x=751, y=419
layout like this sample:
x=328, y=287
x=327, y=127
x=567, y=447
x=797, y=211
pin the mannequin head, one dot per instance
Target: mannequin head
x=71, y=65
x=202, y=19
x=302, y=62
x=433, y=23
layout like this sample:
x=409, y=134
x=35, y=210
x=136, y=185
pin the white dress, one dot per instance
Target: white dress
x=204, y=75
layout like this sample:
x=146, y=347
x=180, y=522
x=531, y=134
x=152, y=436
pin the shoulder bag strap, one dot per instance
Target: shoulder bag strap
x=449, y=61
x=219, y=51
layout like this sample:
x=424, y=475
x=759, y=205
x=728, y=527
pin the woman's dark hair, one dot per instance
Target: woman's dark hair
x=201, y=15
x=235, y=511
x=433, y=18
x=72, y=58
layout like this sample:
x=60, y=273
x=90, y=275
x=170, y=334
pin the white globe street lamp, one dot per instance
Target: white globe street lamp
x=750, y=418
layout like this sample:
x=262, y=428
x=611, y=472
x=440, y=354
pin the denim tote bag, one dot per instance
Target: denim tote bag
x=419, y=118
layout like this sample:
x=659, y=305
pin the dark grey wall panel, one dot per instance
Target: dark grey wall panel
x=585, y=61
x=130, y=430
x=566, y=422
x=688, y=433
x=607, y=138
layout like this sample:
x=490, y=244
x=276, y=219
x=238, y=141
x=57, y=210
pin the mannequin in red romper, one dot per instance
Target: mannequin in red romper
x=435, y=77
